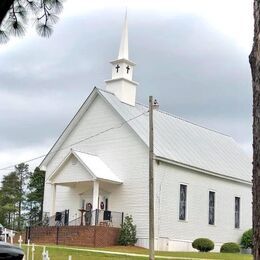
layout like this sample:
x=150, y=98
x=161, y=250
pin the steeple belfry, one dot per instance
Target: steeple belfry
x=121, y=83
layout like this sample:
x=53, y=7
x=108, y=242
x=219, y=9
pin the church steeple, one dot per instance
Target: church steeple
x=123, y=50
x=121, y=83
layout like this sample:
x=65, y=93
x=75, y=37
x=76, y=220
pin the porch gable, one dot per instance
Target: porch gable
x=81, y=167
x=69, y=171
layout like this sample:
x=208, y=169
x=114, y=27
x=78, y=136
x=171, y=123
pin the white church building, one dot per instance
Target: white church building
x=202, y=178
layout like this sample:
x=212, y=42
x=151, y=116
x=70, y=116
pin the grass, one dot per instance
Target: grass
x=56, y=253
x=61, y=253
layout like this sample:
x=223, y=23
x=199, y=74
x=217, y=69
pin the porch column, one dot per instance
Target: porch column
x=95, y=195
x=53, y=199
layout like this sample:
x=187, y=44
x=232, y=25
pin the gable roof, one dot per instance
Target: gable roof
x=176, y=140
x=186, y=143
x=97, y=169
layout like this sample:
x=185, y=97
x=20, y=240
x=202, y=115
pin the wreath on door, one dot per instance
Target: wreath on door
x=89, y=206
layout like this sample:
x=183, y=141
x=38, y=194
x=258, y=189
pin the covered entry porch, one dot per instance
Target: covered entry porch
x=83, y=185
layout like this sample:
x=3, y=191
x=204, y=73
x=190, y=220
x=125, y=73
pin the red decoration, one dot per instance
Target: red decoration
x=102, y=206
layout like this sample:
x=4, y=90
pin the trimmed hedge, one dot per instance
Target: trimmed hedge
x=247, y=239
x=203, y=244
x=230, y=247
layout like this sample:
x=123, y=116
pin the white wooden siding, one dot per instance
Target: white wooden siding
x=168, y=180
x=72, y=171
x=125, y=154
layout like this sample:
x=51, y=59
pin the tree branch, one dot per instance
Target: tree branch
x=5, y=5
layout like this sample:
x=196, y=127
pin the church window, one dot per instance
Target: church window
x=211, y=208
x=127, y=69
x=82, y=204
x=183, y=202
x=237, y=212
x=117, y=68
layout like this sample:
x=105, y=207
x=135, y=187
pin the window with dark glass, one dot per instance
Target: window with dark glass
x=237, y=212
x=183, y=202
x=82, y=204
x=211, y=207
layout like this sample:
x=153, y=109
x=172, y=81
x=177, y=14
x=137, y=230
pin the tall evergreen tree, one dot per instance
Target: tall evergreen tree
x=9, y=198
x=2, y=215
x=35, y=195
x=22, y=172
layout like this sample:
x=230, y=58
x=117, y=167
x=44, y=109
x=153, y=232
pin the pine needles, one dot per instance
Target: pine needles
x=43, y=12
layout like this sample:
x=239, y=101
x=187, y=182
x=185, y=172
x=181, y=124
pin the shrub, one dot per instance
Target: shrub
x=128, y=232
x=203, y=244
x=230, y=248
x=247, y=239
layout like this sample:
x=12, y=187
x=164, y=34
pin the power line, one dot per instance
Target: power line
x=80, y=141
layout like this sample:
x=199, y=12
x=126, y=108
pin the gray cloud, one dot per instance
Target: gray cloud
x=193, y=70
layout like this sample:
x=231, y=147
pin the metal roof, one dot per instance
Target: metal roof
x=93, y=164
x=96, y=167
x=186, y=143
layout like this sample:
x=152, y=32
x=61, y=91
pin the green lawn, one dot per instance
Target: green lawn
x=61, y=253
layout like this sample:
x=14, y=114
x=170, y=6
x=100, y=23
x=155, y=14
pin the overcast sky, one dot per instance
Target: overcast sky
x=192, y=55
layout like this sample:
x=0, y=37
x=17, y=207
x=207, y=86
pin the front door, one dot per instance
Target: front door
x=106, y=204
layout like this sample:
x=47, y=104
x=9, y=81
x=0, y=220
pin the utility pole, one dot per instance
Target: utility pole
x=151, y=180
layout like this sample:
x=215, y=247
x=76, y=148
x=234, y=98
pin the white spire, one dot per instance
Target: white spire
x=122, y=84
x=123, y=50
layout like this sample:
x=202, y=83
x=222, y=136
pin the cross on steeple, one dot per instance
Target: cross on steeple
x=122, y=84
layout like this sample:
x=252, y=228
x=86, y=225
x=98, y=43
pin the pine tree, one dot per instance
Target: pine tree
x=9, y=198
x=22, y=172
x=254, y=59
x=35, y=195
